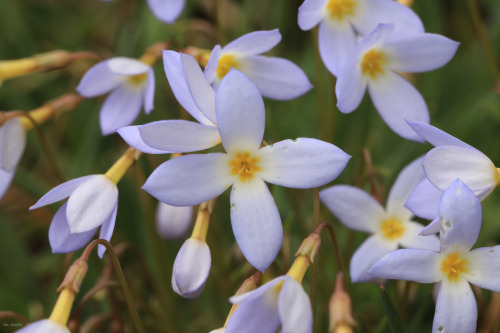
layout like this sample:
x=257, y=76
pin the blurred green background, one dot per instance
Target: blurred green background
x=463, y=98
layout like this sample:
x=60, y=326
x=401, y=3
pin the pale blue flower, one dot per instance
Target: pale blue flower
x=189, y=180
x=455, y=265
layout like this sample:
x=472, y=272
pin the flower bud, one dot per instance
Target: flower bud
x=340, y=309
x=173, y=222
x=310, y=246
x=191, y=268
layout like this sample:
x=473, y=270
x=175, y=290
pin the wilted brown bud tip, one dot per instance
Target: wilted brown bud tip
x=74, y=277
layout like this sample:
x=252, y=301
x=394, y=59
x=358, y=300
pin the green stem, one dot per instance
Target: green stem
x=485, y=40
x=318, y=63
x=121, y=277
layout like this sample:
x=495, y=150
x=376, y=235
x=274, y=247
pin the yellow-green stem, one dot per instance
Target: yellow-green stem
x=121, y=166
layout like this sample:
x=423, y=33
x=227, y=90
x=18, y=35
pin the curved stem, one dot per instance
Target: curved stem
x=16, y=316
x=121, y=277
x=90, y=293
x=333, y=237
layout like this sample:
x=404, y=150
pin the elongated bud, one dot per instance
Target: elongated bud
x=191, y=268
x=200, y=55
x=153, y=53
x=53, y=107
x=74, y=277
x=341, y=320
x=173, y=222
x=310, y=246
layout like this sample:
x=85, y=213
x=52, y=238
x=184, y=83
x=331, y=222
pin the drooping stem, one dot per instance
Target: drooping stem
x=16, y=316
x=121, y=277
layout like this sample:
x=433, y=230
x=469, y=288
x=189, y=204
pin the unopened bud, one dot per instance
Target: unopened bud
x=200, y=55
x=74, y=276
x=340, y=308
x=191, y=268
x=310, y=246
x=153, y=53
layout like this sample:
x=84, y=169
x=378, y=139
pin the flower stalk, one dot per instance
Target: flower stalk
x=121, y=166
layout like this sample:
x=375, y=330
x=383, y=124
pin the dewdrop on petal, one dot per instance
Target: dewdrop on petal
x=173, y=222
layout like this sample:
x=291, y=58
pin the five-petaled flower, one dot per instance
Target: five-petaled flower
x=374, y=66
x=189, y=180
x=455, y=265
x=340, y=21
x=276, y=78
x=131, y=84
x=390, y=227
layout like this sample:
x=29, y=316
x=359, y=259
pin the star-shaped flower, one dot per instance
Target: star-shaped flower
x=92, y=203
x=195, y=94
x=455, y=265
x=451, y=159
x=189, y=180
x=378, y=58
x=340, y=21
x=390, y=227
x=12, y=145
x=131, y=84
x=282, y=302
x=276, y=78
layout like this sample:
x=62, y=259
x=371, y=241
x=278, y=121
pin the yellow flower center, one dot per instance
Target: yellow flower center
x=226, y=62
x=373, y=63
x=244, y=165
x=339, y=9
x=392, y=228
x=137, y=80
x=453, y=265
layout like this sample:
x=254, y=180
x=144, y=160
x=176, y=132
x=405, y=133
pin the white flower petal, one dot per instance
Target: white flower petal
x=350, y=87
x=382, y=11
x=99, y=80
x=91, y=203
x=484, y=268
x=310, y=13
x=60, y=237
x=258, y=312
x=432, y=228
x=173, y=222
x=301, y=163
x=120, y=109
x=106, y=231
x=127, y=66
x=407, y=181
x=256, y=223
x=213, y=62
x=166, y=10
x=178, y=83
x=191, y=268
x=5, y=180
x=259, y=292
x=276, y=78
x=456, y=309
x=12, y=144
x=408, y=264
x=61, y=191
x=424, y=200
x=337, y=43
x=414, y=240
x=460, y=214
x=179, y=136
x=353, y=207
x=444, y=164
x=254, y=42
x=189, y=180
x=366, y=255
x=420, y=52
x=294, y=308
x=397, y=101
x=149, y=92
x=240, y=113
x=132, y=137
x=201, y=90
x=435, y=136
x=44, y=326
